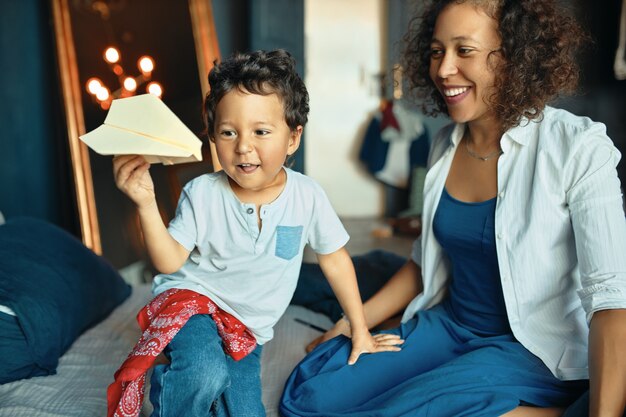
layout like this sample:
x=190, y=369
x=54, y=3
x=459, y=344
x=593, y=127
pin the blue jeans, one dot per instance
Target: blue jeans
x=202, y=380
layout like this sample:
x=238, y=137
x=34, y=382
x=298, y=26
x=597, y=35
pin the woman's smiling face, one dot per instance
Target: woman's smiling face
x=462, y=64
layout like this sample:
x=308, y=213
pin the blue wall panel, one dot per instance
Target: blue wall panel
x=33, y=159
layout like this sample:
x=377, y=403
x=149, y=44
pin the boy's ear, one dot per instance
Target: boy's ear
x=294, y=140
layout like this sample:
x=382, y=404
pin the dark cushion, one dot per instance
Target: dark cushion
x=57, y=288
x=373, y=269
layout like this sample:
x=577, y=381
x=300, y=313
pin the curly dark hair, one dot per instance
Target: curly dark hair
x=539, y=46
x=263, y=73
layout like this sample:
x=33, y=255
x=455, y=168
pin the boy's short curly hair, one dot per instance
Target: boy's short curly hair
x=259, y=72
x=539, y=46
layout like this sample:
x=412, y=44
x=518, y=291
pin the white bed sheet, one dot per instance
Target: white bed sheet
x=84, y=372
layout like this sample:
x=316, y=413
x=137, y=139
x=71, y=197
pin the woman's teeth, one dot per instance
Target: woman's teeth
x=451, y=92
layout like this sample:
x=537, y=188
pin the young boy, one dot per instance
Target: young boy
x=238, y=237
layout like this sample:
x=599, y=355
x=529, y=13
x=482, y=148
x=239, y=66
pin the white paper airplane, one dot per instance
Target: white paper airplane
x=144, y=125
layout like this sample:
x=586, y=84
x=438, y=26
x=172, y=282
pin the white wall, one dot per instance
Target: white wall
x=343, y=55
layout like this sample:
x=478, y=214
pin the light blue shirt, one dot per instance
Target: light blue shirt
x=249, y=272
x=560, y=233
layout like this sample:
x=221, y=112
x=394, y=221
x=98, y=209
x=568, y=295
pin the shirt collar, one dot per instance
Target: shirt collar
x=457, y=134
x=520, y=134
x=523, y=132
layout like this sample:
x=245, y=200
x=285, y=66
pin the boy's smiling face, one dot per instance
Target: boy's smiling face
x=252, y=140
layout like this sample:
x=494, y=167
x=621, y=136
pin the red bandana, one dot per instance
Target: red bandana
x=160, y=320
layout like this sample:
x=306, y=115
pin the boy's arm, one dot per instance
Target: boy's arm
x=339, y=271
x=395, y=295
x=166, y=253
x=390, y=300
x=133, y=178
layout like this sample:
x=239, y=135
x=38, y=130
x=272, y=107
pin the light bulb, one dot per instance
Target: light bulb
x=111, y=55
x=130, y=84
x=145, y=64
x=93, y=85
x=155, y=89
x=103, y=94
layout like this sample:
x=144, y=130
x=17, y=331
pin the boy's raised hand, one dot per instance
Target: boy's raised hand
x=132, y=177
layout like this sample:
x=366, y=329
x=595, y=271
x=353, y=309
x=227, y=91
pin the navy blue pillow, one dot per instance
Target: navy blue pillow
x=57, y=288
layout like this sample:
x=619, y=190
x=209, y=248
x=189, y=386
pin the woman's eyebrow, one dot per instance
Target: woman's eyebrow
x=461, y=38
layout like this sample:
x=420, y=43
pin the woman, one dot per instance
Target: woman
x=520, y=272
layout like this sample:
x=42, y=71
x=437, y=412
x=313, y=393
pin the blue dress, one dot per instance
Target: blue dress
x=459, y=358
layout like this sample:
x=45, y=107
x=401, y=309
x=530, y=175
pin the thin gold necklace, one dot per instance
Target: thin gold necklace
x=473, y=154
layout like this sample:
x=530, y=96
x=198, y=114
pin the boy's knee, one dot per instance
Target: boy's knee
x=213, y=377
x=197, y=357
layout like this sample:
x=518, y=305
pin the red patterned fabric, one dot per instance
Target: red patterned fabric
x=160, y=320
x=388, y=118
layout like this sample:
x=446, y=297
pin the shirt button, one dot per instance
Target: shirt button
x=250, y=210
x=501, y=194
x=500, y=236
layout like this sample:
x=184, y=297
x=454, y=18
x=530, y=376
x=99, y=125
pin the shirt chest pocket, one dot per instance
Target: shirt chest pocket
x=288, y=241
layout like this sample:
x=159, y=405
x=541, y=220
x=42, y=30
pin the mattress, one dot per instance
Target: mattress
x=86, y=369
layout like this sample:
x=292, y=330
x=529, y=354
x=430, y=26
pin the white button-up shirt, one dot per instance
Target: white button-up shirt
x=560, y=233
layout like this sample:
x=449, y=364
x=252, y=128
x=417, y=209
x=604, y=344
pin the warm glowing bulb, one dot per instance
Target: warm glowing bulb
x=93, y=85
x=145, y=64
x=155, y=89
x=102, y=94
x=130, y=84
x=111, y=55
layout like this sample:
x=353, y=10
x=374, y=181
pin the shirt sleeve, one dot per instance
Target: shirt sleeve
x=416, y=251
x=595, y=203
x=327, y=233
x=183, y=226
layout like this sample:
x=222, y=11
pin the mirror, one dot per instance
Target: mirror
x=181, y=38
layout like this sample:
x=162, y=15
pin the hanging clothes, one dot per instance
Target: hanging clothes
x=395, y=142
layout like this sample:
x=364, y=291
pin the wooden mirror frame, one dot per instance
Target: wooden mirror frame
x=619, y=66
x=207, y=51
